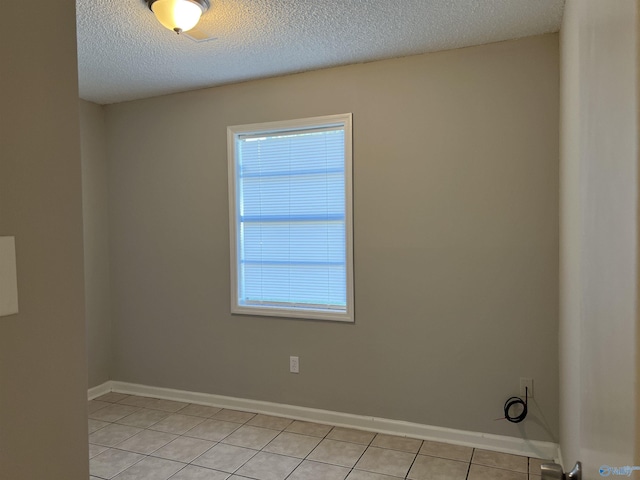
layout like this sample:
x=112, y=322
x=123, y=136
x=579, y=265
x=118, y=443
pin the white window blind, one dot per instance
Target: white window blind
x=292, y=220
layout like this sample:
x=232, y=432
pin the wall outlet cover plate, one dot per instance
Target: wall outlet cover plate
x=8, y=277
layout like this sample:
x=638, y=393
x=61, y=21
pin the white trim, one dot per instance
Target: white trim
x=99, y=390
x=498, y=443
x=233, y=133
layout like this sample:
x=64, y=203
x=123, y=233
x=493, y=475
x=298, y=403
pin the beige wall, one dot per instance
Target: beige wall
x=93, y=146
x=599, y=236
x=456, y=241
x=43, y=386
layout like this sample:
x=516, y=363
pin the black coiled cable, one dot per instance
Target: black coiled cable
x=517, y=401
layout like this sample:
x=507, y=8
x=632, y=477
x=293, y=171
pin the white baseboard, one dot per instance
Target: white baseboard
x=499, y=443
x=98, y=390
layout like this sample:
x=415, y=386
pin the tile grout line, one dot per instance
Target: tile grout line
x=361, y=455
x=414, y=459
x=469, y=465
x=312, y=450
x=305, y=458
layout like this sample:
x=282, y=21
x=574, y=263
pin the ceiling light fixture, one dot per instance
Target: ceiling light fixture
x=178, y=15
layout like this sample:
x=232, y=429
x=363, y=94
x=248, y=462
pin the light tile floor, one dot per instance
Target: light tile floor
x=141, y=438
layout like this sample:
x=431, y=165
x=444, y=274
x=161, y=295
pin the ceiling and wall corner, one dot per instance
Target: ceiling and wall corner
x=93, y=148
x=125, y=54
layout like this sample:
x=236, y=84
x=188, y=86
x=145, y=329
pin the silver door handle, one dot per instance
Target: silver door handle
x=576, y=473
x=553, y=471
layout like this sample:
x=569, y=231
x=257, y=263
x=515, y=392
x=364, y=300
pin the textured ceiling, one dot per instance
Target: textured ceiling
x=125, y=54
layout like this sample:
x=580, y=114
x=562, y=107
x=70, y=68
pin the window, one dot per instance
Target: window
x=290, y=218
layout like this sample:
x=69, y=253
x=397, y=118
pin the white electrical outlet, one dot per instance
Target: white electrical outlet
x=294, y=364
x=526, y=383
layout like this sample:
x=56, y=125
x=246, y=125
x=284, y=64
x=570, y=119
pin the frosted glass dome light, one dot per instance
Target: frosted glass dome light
x=178, y=15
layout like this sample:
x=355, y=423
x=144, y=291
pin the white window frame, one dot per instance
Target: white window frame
x=233, y=133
